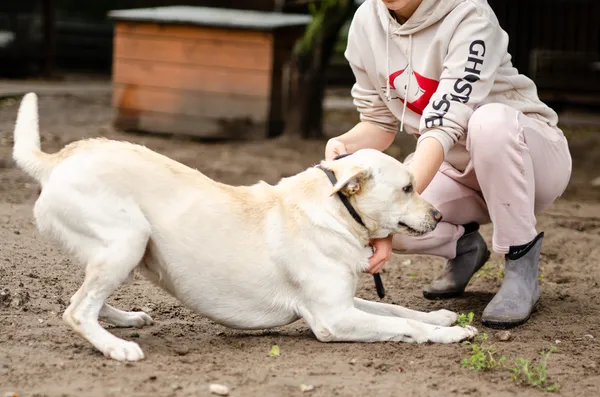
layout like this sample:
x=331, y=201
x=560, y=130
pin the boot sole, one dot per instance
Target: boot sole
x=509, y=324
x=455, y=294
x=442, y=295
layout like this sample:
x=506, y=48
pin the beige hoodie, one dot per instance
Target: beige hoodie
x=448, y=59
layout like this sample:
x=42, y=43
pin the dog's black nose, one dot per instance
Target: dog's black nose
x=437, y=215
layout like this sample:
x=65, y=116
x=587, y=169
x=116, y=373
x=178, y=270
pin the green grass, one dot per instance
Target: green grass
x=526, y=372
x=465, y=319
x=274, y=352
x=484, y=357
x=492, y=270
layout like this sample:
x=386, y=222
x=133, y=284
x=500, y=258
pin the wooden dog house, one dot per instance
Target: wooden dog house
x=206, y=72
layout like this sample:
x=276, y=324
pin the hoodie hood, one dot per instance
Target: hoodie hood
x=428, y=13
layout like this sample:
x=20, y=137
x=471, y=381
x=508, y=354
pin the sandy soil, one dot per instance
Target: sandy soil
x=41, y=356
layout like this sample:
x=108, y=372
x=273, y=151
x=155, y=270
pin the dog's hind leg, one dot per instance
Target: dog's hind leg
x=120, y=318
x=439, y=317
x=104, y=274
x=109, y=234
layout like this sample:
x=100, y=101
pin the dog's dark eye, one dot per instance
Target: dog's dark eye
x=408, y=188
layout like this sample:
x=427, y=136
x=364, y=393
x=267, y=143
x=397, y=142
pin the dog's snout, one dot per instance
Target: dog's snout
x=437, y=215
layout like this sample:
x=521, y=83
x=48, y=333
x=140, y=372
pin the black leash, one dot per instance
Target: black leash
x=357, y=218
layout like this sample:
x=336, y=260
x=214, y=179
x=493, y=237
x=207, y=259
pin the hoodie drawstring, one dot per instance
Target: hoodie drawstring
x=387, y=58
x=407, y=86
x=409, y=71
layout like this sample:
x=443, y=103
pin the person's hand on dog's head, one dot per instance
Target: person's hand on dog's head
x=334, y=148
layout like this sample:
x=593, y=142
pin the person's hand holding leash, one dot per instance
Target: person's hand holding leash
x=382, y=254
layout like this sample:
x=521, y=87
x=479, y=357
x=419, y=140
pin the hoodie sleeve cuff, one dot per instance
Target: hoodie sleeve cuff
x=446, y=141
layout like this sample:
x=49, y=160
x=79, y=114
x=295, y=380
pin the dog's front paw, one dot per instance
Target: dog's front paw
x=470, y=334
x=442, y=317
x=453, y=334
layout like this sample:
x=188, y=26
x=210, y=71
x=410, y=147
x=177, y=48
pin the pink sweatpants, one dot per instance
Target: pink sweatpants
x=518, y=167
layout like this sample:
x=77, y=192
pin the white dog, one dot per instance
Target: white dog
x=247, y=257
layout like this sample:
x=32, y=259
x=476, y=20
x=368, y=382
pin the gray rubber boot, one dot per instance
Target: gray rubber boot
x=471, y=254
x=520, y=292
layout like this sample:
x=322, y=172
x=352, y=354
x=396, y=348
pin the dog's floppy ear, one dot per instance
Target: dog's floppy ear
x=351, y=180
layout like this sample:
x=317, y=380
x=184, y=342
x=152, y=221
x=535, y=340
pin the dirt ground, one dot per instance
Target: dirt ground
x=41, y=356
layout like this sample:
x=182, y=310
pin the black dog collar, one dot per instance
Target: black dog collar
x=357, y=218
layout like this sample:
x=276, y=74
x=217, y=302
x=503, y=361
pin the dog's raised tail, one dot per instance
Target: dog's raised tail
x=27, y=151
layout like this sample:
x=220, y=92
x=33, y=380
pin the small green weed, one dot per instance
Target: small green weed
x=465, y=319
x=274, y=352
x=483, y=355
x=492, y=270
x=524, y=372
x=536, y=375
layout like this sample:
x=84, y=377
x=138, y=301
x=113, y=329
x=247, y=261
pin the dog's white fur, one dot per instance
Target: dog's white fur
x=247, y=257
